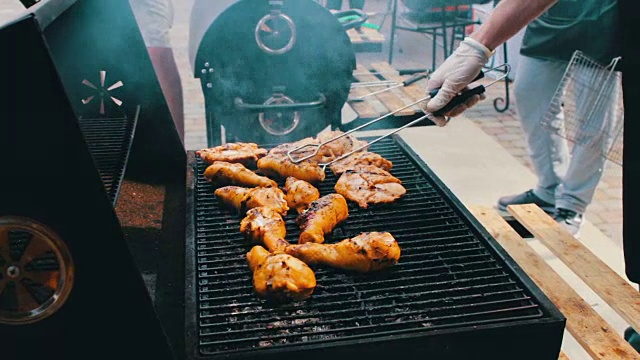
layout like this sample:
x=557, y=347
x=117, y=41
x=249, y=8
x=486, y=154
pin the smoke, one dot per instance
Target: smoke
x=321, y=62
x=97, y=35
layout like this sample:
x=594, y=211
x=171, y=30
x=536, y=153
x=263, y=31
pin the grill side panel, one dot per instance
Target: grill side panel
x=448, y=280
x=109, y=142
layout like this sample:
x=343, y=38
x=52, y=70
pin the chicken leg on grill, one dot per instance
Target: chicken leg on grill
x=336, y=148
x=263, y=225
x=360, y=158
x=243, y=199
x=366, y=252
x=246, y=154
x=278, y=164
x=321, y=217
x=224, y=173
x=299, y=193
x=280, y=276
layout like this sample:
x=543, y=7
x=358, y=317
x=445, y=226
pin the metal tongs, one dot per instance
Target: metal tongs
x=457, y=100
x=393, y=85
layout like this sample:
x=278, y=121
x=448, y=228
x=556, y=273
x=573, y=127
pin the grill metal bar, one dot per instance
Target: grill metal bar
x=109, y=141
x=447, y=276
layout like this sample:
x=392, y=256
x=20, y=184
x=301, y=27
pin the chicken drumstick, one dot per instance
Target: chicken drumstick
x=366, y=252
x=321, y=217
x=280, y=276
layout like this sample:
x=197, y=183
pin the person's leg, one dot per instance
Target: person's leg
x=356, y=4
x=155, y=18
x=169, y=78
x=587, y=159
x=334, y=4
x=534, y=88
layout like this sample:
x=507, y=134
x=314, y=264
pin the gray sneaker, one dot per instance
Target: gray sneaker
x=569, y=220
x=527, y=197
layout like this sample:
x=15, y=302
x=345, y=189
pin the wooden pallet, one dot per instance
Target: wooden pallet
x=366, y=39
x=591, y=331
x=386, y=102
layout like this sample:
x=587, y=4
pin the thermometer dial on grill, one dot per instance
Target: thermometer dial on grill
x=279, y=122
x=275, y=34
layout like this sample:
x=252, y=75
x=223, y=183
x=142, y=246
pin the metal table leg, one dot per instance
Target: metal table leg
x=393, y=30
x=506, y=100
x=443, y=11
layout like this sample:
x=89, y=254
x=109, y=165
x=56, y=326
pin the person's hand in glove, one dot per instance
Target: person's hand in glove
x=453, y=76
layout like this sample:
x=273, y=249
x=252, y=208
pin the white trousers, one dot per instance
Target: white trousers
x=568, y=180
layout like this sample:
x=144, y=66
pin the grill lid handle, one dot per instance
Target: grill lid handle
x=240, y=104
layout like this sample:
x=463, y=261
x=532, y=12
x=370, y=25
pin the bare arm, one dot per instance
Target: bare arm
x=459, y=69
x=507, y=19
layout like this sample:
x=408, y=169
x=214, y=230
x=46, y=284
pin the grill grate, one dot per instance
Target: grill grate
x=109, y=141
x=446, y=276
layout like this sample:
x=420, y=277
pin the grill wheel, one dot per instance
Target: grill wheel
x=36, y=271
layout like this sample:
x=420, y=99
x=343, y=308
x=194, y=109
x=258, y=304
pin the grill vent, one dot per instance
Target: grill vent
x=109, y=141
x=446, y=276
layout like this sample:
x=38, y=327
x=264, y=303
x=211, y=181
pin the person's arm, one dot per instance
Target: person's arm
x=509, y=17
x=466, y=62
x=168, y=76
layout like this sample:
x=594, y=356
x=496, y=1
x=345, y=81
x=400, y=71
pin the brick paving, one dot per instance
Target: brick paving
x=605, y=211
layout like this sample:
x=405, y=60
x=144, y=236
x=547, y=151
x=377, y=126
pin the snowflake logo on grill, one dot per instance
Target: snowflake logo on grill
x=102, y=91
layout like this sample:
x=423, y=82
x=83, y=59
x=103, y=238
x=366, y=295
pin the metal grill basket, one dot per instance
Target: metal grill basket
x=587, y=107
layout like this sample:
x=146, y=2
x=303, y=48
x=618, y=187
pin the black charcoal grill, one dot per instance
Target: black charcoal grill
x=454, y=293
x=284, y=74
x=109, y=141
x=159, y=269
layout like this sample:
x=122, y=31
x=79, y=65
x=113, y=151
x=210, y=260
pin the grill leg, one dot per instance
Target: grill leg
x=214, y=134
x=393, y=30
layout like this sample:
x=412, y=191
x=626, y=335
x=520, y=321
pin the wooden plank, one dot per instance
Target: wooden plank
x=365, y=109
x=605, y=282
x=370, y=35
x=354, y=36
x=591, y=331
x=414, y=91
x=365, y=35
x=410, y=93
x=563, y=356
x=366, y=39
x=390, y=100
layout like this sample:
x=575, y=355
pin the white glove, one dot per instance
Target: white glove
x=453, y=76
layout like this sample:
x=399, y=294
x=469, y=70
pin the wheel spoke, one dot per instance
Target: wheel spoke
x=4, y=246
x=3, y=284
x=35, y=249
x=48, y=278
x=26, y=302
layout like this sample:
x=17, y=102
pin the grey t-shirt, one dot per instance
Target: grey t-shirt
x=590, y=26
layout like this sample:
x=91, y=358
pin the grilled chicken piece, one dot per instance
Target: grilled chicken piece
x=281, y=166
x=368, y=184
x=299, y=193
x=265, y=226
x=366, y=252
x=283, y=149
x=280, y=276
x=243, y=199
x=224, y=173
x=360, y=158
x=336, y=148
x=321, y=217
x=246, y=154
